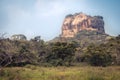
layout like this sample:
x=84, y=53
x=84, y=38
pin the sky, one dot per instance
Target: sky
x=45, y=17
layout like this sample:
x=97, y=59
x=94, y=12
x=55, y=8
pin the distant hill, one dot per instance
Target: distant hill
x=75, y=23
x=83, y=29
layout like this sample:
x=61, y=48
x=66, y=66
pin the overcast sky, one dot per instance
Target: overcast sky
x=45, y=17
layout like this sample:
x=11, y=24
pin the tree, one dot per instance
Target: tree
x=5, y=54
x=69, y=15
x=5, y=59
x=62, y=54
x=114, y=47
x=24, y=56
x=98, y=55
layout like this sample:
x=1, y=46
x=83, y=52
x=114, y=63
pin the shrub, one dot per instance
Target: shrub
x=98, y=56
x=62, y=54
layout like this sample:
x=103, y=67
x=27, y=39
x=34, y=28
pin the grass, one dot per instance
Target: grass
x=31, y=72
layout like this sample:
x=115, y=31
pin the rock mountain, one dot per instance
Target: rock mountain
x=84, y=29
x=75, y=23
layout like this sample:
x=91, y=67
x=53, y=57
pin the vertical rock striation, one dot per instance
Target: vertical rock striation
x=75, y=23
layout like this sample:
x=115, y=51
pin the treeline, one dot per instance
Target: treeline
x=38, y=52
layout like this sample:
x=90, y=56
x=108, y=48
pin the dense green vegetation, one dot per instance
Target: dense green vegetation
x=37, y=52
x=63, y=60
x=22, y=52
x=98, y=55
x=61, y=54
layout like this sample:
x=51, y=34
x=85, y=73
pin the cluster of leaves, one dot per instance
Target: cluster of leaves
x=70, y=15
x=104, y=54
x=22, y=52
x=98, y=55
x=19, y=52
x=62, y=54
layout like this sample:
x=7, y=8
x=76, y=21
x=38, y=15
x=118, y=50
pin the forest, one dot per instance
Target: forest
x=39, y=52
x=36, y=59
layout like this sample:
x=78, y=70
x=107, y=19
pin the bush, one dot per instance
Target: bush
x=62, y=54
x=98, y=56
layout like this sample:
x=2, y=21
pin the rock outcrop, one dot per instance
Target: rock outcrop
x=75, y=23
x=18, y=37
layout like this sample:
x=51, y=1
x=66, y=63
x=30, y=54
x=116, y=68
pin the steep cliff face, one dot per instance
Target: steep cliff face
x=75, y=23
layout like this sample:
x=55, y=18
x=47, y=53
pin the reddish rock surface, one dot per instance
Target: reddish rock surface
x=75, y=23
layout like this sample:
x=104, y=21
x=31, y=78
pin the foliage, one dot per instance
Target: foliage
x=69, y=15
x=114, y=47
x=19, y=52
x=62, y=54
x=104, y=54
x=98, y=56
